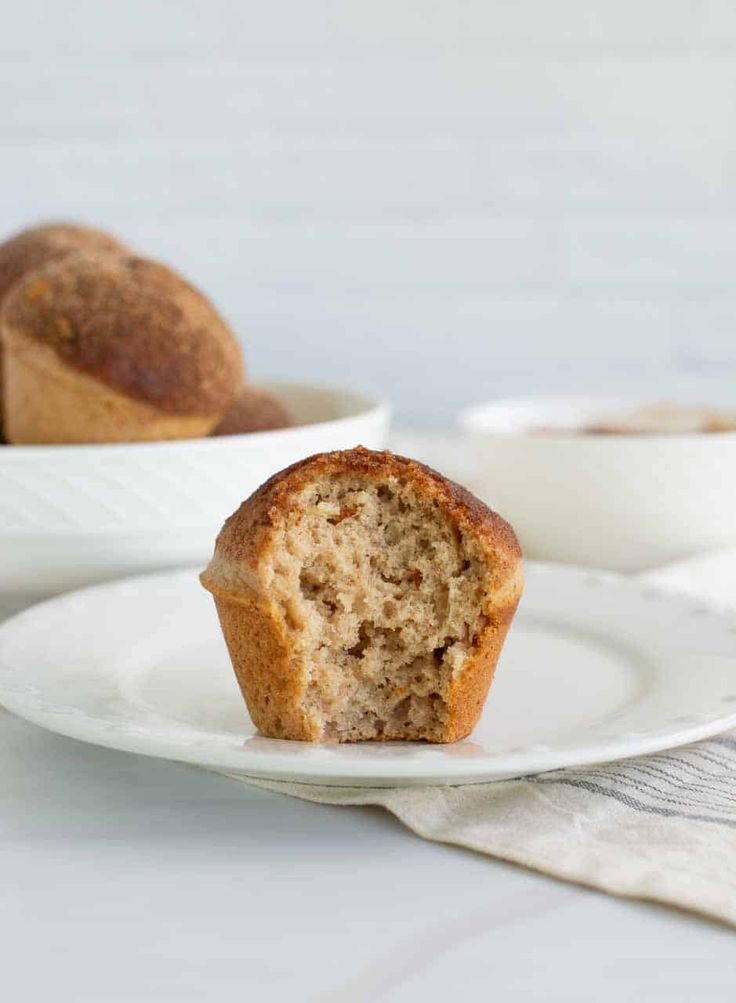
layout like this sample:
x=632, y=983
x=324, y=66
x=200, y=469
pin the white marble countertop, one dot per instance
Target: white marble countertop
x=132, y=879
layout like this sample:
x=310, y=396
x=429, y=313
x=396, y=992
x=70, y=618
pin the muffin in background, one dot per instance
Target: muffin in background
x=254, y=410
x=113, y=348
x=39, y=245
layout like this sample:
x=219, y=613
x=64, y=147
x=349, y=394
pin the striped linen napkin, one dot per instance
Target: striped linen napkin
x=660, y=827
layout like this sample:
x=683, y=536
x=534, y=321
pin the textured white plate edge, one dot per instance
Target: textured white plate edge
x=378, y=774
x=384, y=774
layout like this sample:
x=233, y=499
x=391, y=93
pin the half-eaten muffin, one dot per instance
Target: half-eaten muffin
x=364, y=596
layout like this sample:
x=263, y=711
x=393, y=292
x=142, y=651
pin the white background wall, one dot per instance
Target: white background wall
x=442, y=200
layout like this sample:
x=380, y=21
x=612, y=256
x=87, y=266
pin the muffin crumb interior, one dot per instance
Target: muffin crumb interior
x=384, y=598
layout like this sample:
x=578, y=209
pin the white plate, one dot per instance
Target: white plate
x=596, y=667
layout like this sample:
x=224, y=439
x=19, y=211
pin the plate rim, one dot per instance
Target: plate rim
x=378, y=772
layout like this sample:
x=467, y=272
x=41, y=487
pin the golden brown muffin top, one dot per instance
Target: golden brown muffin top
x=254, y=410
x=133, y=324
x=40, y=245
x=245, y=535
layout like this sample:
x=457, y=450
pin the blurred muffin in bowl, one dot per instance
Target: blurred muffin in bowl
x=39, y=245
x=126, y=402
x=113, y=348
x=254, y=410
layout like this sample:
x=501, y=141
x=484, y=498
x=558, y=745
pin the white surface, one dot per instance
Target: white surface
x=596, y=668
x=626, y=502
x=70, y=515
x=444, y=204
x=130, y=880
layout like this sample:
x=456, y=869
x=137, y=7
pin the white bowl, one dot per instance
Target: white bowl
x=71, y=515
x=625, y=502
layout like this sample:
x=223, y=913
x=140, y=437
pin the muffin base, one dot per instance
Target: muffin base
x=48, y=402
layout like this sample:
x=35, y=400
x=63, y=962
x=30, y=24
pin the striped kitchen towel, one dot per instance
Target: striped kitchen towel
x=659, y=827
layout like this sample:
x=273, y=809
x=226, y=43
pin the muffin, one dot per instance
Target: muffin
x=112, y=348
x=363, y=596
x=254, y=410
x=39, y=245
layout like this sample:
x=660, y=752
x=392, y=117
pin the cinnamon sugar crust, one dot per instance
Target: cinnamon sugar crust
x=40, y=245
x=245, y=532
x=133, y=324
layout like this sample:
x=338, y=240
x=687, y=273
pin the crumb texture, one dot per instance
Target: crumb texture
x=386, y=597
